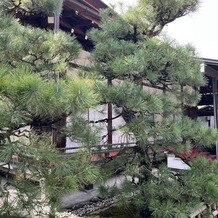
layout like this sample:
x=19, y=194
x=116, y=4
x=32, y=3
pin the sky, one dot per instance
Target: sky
x=199, y=29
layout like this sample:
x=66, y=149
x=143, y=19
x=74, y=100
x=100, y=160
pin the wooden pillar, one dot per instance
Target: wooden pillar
x=56, y=22
x=58, y=136
x=57, y=19
x=215, y=107
x=110, y=124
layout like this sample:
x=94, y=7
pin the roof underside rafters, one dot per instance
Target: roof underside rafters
x=77, y=17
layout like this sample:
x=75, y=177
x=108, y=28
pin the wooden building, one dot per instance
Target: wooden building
x=207, y=109
x=77, y=17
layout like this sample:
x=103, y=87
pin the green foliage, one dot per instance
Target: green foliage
x=150, y=16
x=176, y=196
x=172, y=194
x=24, y=46
x=30, y=95
x=137, y=100
x=61, y=173
x=153, y=81
x=32, y=6
x=36, y=93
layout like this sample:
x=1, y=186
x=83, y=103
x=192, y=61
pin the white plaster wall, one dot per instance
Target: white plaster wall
x=205, y=120
x=100, y=113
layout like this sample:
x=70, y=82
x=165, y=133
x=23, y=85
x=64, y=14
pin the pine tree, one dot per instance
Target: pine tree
x=36, y=91
x=152, y=81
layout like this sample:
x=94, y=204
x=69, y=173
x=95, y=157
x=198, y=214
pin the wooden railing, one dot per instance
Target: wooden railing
x=102, y=148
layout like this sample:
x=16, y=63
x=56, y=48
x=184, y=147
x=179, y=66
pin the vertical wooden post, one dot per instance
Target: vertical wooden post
x=56, y=22
x=215, y=102
x=110, y=125
x=58, y=137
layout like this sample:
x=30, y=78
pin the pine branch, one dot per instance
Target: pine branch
x=78, y=66
x=104, y=136
x=106, y=119
x=20, y=133
x=152, y=86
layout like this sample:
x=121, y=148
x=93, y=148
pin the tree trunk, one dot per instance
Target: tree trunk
x=58, y=136
x=144, y=213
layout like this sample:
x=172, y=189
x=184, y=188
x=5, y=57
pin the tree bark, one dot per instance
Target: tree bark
x=58, y=136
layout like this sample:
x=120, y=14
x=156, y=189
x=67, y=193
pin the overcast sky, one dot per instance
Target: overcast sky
x=199, y=29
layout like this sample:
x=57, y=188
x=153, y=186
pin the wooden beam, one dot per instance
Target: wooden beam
x=97, y=5
x=83, y=10
x=209, y=71
x=206, y=100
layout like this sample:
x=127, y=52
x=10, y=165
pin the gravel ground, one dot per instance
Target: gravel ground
x=93, y=207
x=59, y=215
